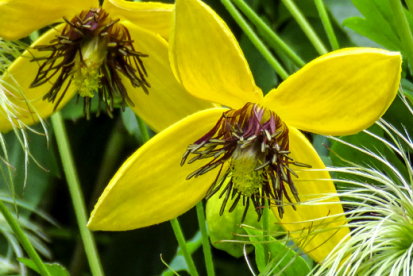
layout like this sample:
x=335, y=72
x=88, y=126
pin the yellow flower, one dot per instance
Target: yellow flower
x=118, y=50
x=253, y=150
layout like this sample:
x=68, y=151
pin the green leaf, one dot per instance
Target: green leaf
x=54, y=269
x=379, y=12
x=373, y=32
x=279, y=260
x=378, y=23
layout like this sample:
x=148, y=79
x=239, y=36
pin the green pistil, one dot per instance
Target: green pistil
x=86, y=71
x=245, y=178
x=87, y=80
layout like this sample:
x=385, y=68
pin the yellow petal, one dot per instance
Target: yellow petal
x=20, y=18
x=21, y=74
x=207, y=59
x=340, y=93
x=317, y=247
x=167, y=101
x=151, y=186
x=154, y=17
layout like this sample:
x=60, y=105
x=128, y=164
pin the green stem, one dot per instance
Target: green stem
x=205, y=242
x=76, y=193
x=24, y=241
x=182, y=244
x=305, y=26
x=327, y=24
x=265, y=227
x=174, y=222
x=265, y=223
x=272, y=38
x=254, y=39
x=403, y=29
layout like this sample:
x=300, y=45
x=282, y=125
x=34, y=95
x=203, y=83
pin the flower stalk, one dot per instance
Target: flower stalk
x=182, y=244
x=205, y=242
x=76, y=194
x=269, y=35
x=254, y=39
x=327, y=24
x=305, y=26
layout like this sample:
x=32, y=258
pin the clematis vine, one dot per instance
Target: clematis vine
x=253, y=150
x=117, y=51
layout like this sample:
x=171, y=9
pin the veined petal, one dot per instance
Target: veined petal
x=29, y=103
x=20, y=18
x=309, y=188
x=167, y=101
x=151, y=16
x=340, y=93
x=207, y=59
x=151, y=186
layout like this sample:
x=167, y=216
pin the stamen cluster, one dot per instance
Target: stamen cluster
x=92, y=44
x=255, y=143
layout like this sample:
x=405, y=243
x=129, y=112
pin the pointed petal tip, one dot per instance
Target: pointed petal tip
x=151, y=186
x=207, y=59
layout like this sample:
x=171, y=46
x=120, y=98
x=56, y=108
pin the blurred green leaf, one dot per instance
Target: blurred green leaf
x=280, y=260
x=226, y=227
x=365, y=141
x=39, y=176
x=54, y=269
x=264, y=75
x=73, y=110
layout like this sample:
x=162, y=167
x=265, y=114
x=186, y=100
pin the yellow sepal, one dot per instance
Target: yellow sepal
x=339, y=93
x=207, y=59
x=151, y=186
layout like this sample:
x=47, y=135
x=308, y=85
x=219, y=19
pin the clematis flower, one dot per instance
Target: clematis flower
x=252, y=150
x=117, y=51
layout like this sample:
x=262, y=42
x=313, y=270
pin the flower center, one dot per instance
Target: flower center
x=89, y=54
x=246, y=179
x=255, y=143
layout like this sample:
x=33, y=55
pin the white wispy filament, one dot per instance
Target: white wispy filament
x=379, y=212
